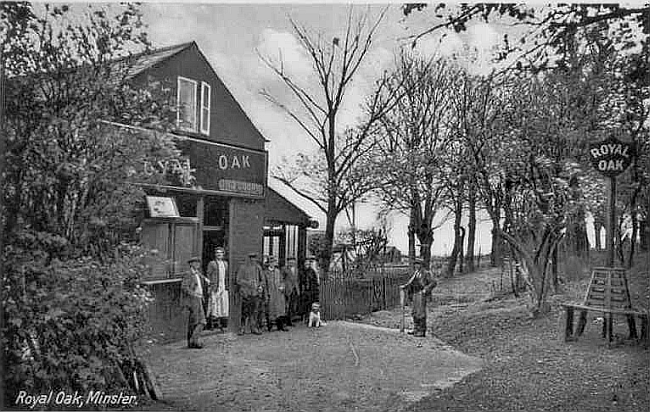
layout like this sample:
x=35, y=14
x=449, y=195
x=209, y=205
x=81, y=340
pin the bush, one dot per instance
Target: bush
x=68, y=324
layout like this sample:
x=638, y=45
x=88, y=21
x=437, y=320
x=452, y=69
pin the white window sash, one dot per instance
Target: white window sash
x=194, y=126
x=205, y=105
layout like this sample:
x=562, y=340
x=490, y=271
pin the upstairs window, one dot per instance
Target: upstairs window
x=205, y=108
x=187, y=105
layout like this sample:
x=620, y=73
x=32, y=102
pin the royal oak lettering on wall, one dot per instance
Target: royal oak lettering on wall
x=611, y=157
x=180, y=168
x=234, y=162
x=227, y=168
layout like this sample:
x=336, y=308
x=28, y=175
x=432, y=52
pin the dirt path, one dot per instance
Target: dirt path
x=341, y=367
x=527, y=366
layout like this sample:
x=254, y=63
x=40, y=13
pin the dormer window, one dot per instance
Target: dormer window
x=186, y=118
x=205, y=108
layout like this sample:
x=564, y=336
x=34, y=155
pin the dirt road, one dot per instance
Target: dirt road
x=340, y=367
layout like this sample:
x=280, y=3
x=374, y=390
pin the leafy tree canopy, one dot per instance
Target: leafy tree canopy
x=550, y=30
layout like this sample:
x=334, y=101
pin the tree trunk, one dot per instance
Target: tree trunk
x=598, y=225
x=471, y=232
x=461, y=254
x=458, y=245
x=495, y=255
x=534, y=271
x=426, y=241
x=635, y=228
x=411, y=235
x=579, y=235
x=644, y=228
x=554, y=272
x=329, y=238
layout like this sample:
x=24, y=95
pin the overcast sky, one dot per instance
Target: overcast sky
x=233, y=36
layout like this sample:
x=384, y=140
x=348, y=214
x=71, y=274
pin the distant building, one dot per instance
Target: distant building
x=392, y=255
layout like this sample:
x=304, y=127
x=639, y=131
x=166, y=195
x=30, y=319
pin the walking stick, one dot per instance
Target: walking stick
x=402, y=302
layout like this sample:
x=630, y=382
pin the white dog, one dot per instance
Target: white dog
x=314, y=316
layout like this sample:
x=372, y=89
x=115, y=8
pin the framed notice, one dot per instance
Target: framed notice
x=162, y=206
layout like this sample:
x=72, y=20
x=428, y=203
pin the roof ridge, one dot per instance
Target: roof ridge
x=153, y=51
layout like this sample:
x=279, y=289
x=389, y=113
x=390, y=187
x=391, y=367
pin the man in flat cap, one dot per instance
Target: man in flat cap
x=192, y=297
x=249, y=281
x=309, y=289
x=418, y=288
x=291, y=289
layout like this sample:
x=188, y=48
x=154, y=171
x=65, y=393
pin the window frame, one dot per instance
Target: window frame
x=178, y=104
x=204, y=86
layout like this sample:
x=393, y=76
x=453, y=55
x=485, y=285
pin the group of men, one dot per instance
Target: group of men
x=267, y=293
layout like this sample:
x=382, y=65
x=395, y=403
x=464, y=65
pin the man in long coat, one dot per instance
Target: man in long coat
x=291, y=289
x=308, y=287
x=418, y=288
x=217, y=272
x=249, y=281
x=192, y=299
x=275, y=295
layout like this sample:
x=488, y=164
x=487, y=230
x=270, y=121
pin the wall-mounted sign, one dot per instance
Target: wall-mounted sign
x=227, y=168
x=162, y=206
x=611, y=156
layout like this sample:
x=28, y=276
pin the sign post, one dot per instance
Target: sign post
x=611, y=157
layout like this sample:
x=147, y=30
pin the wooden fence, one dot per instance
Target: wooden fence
x=342, y=298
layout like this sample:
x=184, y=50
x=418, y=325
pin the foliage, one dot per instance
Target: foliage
x=317, y=245
x=366, y=247
x=551, y=30
x=71, y=320
x=72, y=301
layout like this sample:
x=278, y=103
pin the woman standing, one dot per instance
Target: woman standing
x=276, y=300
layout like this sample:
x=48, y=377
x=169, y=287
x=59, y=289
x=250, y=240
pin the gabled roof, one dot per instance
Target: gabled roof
x=140, y=62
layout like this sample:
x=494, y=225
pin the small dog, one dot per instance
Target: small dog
x=314, y=316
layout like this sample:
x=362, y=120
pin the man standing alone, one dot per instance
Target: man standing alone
x=249, y=280
x=418, y=288
x=193, y=300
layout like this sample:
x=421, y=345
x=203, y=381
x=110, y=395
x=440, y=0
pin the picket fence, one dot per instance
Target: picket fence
x=345, y=298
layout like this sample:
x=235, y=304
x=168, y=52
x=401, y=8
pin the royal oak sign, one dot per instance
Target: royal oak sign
x=611, y=156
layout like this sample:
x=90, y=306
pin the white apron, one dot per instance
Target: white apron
x=218, y=300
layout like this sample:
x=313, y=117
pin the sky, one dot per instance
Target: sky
x=235, y=37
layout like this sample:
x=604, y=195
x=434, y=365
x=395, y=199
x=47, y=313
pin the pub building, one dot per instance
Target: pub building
x=226, y=200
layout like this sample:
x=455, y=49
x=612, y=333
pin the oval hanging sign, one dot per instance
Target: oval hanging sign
x=611, y=156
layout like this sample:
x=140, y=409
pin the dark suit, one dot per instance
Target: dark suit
x=249, y=279
x=309, y=290
x=192, y=299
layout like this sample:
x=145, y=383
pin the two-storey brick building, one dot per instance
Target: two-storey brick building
x=228, y=204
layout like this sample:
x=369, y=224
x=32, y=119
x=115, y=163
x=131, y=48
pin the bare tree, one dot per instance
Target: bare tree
x=334, y=170
x=413, y=135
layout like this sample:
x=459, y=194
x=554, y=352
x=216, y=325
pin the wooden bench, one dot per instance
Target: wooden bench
x=609, y=294
x=608, y=314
